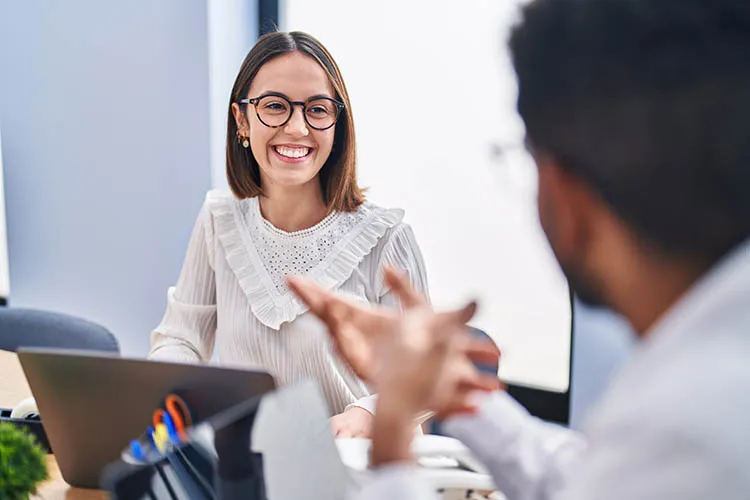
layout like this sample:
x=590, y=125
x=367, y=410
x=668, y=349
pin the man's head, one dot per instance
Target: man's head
x=638, y=115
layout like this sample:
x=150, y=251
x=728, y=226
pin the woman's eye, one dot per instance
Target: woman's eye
x=317, y=110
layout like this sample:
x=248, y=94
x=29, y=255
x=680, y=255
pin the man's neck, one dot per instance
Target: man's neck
x=293, y=208
x=649, y=289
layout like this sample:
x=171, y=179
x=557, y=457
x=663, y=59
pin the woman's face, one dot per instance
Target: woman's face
x=292, y=154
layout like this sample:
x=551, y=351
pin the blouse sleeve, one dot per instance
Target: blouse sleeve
x=402, y=252
x=186, y=333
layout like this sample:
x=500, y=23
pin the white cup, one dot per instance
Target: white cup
x=24, y=409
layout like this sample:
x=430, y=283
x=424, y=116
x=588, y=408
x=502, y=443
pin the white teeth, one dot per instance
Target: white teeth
x=292, y=152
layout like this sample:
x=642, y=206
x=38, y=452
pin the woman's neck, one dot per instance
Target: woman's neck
x=293, y=209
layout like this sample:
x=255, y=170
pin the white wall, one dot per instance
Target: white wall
x=105, y=114
x=432, y=91
x=232, y=30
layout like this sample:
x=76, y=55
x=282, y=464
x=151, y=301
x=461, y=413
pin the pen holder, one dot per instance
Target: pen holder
x=216, y=463
x=32, y=425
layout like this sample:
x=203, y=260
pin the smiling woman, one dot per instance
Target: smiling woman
x=288, y=147
x=295, y=209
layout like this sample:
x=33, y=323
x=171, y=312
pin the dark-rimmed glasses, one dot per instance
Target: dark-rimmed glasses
x=275, y=110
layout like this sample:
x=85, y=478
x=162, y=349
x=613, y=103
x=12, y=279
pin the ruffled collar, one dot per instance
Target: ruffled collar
x=261, y=255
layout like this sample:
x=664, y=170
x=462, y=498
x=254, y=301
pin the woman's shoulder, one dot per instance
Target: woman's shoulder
x=222, y=204
x=376, y=223
x=373, y=212
x=396, y=247
x=392, y=230
x=220, y=213
x=219, y=197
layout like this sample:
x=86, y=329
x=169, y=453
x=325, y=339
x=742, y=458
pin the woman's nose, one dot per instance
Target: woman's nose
x=296, y=125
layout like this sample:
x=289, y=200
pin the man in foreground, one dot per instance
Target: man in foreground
x=637, y=114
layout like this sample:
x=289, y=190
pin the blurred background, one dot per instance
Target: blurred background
x=113, y=122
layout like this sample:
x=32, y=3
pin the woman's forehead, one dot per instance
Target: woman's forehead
x=295, y=75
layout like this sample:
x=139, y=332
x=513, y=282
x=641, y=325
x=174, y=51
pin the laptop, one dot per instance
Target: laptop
x=93, y=404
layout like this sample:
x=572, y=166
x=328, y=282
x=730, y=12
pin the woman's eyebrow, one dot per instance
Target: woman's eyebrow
x=321, y=96
x=273, y=92
x=281, y=94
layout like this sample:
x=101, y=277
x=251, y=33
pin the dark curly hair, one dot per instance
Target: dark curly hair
x=648, y=102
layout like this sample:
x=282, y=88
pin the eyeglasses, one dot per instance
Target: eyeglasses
x=275, y=110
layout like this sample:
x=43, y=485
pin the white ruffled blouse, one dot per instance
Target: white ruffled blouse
x=231, y=296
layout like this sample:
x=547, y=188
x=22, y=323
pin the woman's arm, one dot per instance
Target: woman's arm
x=186, y=333
x=400, y=250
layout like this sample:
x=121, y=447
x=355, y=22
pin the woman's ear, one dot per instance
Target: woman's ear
x=243, y=127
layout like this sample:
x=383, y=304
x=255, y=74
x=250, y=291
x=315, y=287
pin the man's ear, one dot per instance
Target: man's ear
x=243, y=126
x=566, y=207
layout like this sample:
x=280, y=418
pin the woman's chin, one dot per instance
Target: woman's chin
x=293, y=177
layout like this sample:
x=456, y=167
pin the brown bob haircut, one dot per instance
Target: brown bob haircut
x=338, y=177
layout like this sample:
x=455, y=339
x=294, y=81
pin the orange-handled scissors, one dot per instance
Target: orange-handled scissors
x=176, y=418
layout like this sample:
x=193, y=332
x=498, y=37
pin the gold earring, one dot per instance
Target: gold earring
x=244, y=141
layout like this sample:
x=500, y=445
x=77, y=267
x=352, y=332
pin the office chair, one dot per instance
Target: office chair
x=485, y=368
x=35, y=328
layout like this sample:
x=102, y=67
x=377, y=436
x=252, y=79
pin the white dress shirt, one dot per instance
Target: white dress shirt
x=675, y=424
x=231, y=298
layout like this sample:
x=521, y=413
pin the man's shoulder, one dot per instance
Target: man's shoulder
x=698, y=398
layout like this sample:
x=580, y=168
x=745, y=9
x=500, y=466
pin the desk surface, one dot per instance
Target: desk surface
x=13, y=388
x=55, y=488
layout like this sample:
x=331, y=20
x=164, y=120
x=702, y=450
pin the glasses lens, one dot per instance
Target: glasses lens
x=321, y=113
x=273, y=110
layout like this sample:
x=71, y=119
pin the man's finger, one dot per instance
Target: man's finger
x=482, y=351
x=481, y=382
x=320, y=301
x=312, y=294
x=337, y=311
x=332, y=317
x=457, y=411
x=460, y=404
x=462, y=315
x=348, y=341
x=400, y=285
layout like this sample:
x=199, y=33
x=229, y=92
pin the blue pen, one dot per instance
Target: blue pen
x=137, y=451
x=171, y=431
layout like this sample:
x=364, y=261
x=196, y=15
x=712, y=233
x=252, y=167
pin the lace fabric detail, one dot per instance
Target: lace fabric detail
x=283, y=253
x=261, y=255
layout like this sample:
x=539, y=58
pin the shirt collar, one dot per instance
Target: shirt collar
x=720, y=299
x=723, y=289
x=722, y=292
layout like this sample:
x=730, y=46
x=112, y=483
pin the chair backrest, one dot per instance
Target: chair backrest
x=485, y=368
x=34, y=328
x=435, y=427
